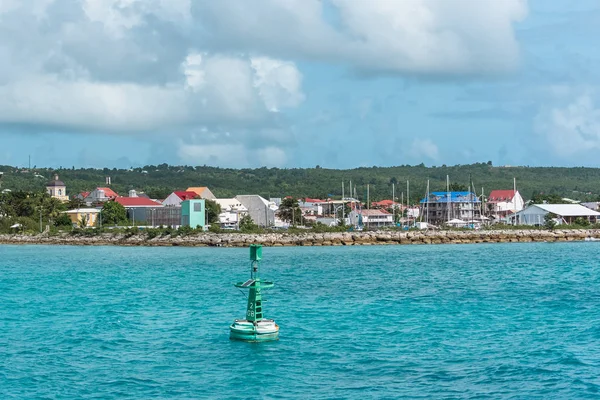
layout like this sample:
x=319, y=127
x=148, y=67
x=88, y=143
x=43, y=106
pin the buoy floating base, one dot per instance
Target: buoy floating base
x=259, y=331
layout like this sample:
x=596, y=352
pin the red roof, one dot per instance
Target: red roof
x=186, y=195
x=383, y=203
x=308, y=200
x=136, y=202
x=84, y=194
x=108, y=192
x=501, y=195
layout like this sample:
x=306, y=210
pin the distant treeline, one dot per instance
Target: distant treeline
x=160, y=180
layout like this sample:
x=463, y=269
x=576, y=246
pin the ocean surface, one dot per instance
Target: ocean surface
x=439, y=321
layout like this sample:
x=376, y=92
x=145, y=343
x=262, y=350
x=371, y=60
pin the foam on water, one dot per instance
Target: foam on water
x=485, y=321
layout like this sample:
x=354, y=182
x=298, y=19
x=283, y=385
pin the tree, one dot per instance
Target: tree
x=549, y=221
x=213, y=209
x=458, y=187
x=247, y=224
x=113, y=213
x=83, y=221
x=63, y=220
x=75, y=203
x=289, y=211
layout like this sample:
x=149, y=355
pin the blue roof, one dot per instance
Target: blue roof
x=455, y=197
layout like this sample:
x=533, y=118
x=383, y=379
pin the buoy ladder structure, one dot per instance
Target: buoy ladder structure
x=254, y=328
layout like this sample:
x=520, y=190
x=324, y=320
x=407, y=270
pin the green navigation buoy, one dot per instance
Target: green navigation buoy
x=254, y=328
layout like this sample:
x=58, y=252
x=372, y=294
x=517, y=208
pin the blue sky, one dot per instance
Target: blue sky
x=299, y=83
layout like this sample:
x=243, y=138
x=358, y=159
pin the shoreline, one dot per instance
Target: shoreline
x=310, y=239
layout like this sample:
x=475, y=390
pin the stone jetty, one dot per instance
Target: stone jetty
x=311, y=239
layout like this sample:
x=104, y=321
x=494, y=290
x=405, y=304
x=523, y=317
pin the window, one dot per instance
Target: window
x=60, y=192
x=197, y=207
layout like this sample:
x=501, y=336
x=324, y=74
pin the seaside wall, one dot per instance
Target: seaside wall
x=311, y=239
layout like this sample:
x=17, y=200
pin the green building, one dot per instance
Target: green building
x=193, y=213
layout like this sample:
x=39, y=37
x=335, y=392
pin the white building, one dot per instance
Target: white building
x=177, y=197
x=565, y=214
x=232, y=210
x=371, y=218
x=500, y=203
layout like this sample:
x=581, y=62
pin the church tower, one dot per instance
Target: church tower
x=57, y=189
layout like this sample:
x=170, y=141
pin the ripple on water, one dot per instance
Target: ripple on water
x=470, y=321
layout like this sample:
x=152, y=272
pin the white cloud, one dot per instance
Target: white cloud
x=409, y=36
x=420, y=148
x=572, y=128
x=278, y=82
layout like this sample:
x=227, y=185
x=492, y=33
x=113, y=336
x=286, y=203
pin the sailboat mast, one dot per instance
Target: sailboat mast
x=427, y=199
x=407, y=201
x=343, y=208
x=448, y=196
x=368, y=207
x=393, y=204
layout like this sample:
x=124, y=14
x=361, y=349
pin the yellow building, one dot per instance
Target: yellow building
x=57, y=189
x=89, y=215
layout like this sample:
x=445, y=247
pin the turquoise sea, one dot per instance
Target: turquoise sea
x=446, y=321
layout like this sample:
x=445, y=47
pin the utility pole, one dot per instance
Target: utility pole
x=40, y=219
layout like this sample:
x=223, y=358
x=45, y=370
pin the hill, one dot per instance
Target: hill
x=158, y=181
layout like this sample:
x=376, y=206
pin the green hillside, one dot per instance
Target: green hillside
x=159, y=181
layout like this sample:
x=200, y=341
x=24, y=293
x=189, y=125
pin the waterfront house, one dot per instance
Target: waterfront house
x=175, y=198
x=501, y=203
x=193, y=213
x=370, y=218
x=202, y=191
x=140, y=210
x=86, y=216
x=232, y=210
x=311, y=206
x=441, y=207
x=535, y=214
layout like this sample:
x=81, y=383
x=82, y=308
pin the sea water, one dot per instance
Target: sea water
x=445, y=321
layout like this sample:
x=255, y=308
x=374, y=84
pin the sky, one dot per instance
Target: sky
x=299, y=83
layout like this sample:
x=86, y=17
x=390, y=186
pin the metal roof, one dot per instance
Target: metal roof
x=568, y=210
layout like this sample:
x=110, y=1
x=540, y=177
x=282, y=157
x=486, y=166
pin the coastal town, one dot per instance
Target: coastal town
x=198, y=208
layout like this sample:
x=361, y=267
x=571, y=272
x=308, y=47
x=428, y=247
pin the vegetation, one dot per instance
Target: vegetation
x=158, y=181
x=30, y=210
x=113, y=213
x=289, y=211
x=213, y=209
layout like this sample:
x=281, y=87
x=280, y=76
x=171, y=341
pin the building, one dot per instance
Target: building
x=501, y=203
x=100, y=195
x=592, y=205
x=193, y=213
x=441, y=207
x=311, y=206
x=232, y=210
x=370, y=218
x=385, y=204
x=86, y=216
x=202, y=191
x=175, y=198
x=139, y=209
x=535, y=214
x=57, y=189
x=259, y=209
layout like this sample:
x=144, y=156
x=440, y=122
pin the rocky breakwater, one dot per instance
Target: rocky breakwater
x=310, y=239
